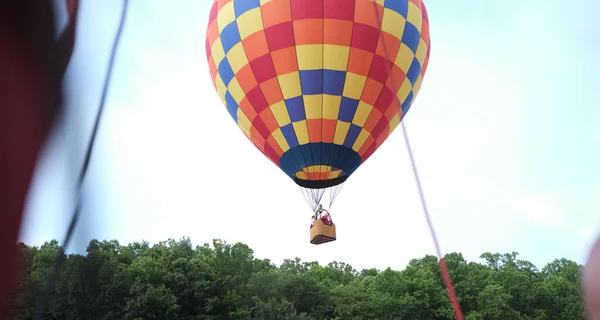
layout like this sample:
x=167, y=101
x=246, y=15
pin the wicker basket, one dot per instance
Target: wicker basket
x=322, y=233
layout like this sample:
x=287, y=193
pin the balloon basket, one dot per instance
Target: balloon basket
x=321, y=233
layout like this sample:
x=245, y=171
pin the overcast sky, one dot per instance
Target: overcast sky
x=504, y=130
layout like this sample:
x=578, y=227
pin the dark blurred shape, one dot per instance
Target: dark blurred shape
x=32, y=65
x=591, y=283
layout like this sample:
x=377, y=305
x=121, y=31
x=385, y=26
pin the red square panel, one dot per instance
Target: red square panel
x=307, y=9
x=381, y=127
x=271, y=153
x=339, y=9
x=257, y=99
x=260, y=126
x=263, y=68
x=385, y=98
x=280, y=36
x=380, y=69
x=365, y=37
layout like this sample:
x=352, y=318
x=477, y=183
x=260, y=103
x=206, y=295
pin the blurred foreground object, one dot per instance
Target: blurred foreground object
x=32, y=65
x=591, y=283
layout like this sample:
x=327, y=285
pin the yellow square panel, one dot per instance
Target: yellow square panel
x=290, y=85
x=335, y=57
x=225, y=16
x=237, y=57
x=310, y=56
x=405, y=89
x=313, y=105
x=218, y=53
x=341, y=131
x=278, y=136
x=404, y=58
x=393, y=23
x=250, y=22
x=360, y=140
x=362, y=114
x=301, y=130
x=236, y=90
x=354, y=85
x=421, y=52
x=281, y=113
x=414, y=16
x=331, y=106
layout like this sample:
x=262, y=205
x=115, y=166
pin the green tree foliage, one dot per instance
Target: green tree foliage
x=173, y=280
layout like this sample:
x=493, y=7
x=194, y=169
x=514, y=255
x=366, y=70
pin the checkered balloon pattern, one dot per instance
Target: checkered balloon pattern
x=317, y=85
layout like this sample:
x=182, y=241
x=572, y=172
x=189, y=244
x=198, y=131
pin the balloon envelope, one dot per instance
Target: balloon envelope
x=317, y=85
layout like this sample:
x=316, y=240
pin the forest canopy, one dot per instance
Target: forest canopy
x=176, y=280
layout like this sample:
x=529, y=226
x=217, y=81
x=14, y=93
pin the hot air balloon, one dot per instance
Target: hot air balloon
x=318, y=85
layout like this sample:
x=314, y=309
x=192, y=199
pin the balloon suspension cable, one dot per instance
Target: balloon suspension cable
x=334, y=192
x=314, y=197
x=443, y=268
x=60, y=259
x=308, y=198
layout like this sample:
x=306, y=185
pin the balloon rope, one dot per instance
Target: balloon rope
x=51, y=280
x=443, y=268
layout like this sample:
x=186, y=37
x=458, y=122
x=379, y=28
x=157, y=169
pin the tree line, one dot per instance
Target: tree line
x=176, y=280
